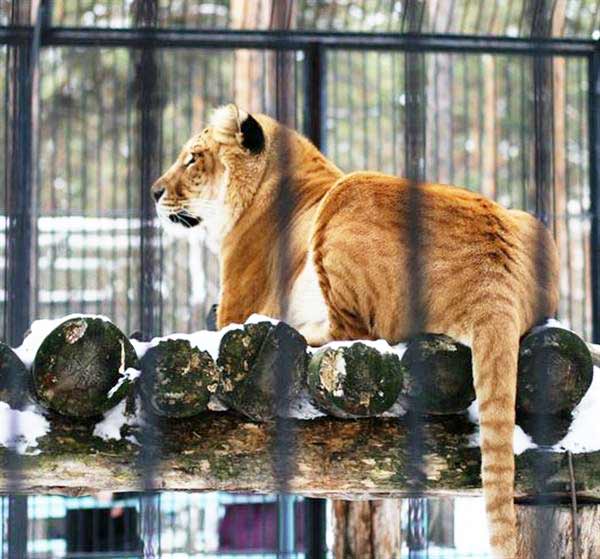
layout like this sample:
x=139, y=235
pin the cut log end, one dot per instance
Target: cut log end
x=250, y=358
x=354, y=381
x=555, y=372
x=15, y=380
x=178, y=379
x=79, y=368
x=439, y=378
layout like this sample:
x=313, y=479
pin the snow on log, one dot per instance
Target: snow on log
x=178, y=379
x=249, y=359
x=83, y=367
x=355, y=380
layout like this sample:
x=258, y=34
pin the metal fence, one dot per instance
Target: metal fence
x=501, y=97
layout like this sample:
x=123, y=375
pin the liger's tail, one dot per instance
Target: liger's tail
x=495, y=348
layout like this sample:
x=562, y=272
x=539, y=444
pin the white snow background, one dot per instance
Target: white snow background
x=21, y=429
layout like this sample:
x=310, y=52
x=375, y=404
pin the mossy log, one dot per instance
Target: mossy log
x=354, y=381
x=332, y=457
x=80, y=368
x=555, y=372
x=82, y=360
x=257, y=359
x=15, y=379
x=439, y=377
x=178, y=379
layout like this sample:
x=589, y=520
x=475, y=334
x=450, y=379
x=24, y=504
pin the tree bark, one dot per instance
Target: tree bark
x=264, y=81
x=560, y=538
x=225, y=452
x=367, y=529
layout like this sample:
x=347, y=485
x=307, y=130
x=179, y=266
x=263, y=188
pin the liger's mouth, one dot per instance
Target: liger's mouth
x=184, y=218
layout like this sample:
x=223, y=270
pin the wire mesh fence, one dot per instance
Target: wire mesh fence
x=111, y=110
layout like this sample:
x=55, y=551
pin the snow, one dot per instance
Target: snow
x=521, y=440
x=116, y=418
x=129, y=374
x=205, y=340
x=303, y=408
x=20, y=430
x=380, y=345
x=584, y=433
x=39, y=331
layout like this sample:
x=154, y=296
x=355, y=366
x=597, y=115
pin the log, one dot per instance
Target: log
x=81, y=368
x=178, y=379
x=557, y=535
x=555, y=372
x=354, y=381
x=14, y=378
x=249, y=359
x=334, y=458
x=439, y=375
x=434, y=375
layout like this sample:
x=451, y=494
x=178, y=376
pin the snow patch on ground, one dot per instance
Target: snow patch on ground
x=584, y=433
x=521, y=440
x=116, y=418
x=20, y=430
x=40, y=330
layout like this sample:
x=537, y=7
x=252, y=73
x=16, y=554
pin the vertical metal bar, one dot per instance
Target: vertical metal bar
x=594, y=148
x=148, y=106
x=315, y=113
x=540, y=12
x=415, y=131
x=315, y=94
x=17, y=526
x=148, y=113
x=20, y=234
x=285, y=525
x=19, y=193
x=415, y=127
x=543, y=134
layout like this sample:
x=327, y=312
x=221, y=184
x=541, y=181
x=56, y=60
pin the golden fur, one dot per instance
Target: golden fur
x=488, y=274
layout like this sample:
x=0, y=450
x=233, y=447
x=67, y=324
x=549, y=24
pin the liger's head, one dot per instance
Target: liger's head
x=199, y=183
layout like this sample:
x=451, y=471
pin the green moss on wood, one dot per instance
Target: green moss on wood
x=78, y=365
x=262, y=369
x=439, y=377
x=354, y=381
x=178, y=379
x=555, y=372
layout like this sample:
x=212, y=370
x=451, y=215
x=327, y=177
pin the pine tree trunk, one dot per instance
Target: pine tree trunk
x=552, y=527
x=367, y=529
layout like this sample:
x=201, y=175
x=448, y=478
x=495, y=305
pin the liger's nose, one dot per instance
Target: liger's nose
x=157, y=193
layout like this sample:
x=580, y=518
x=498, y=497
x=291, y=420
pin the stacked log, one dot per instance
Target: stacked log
x=178, y=378
x=86, y=365
x=250, y=359
x=80, y=370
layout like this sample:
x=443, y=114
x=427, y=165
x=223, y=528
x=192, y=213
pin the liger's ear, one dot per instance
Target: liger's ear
x=253, y=137
x=232, y=125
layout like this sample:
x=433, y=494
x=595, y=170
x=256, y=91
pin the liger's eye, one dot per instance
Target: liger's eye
x=191, y=159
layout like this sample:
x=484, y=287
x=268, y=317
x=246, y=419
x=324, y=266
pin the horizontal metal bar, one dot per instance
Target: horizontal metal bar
x=299, y=40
